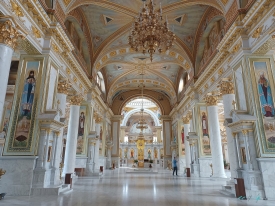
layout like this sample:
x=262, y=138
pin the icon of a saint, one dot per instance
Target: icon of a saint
x=28, y=95
x=204, y=124
x=265, y=96
x=81, y=124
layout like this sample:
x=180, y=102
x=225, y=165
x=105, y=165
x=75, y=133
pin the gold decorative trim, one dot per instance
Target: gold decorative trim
x=36, y=32
x=9, y=34
x=76, y=100
x=211, y=99
x=64, y=87
x=226, y=87
x=16, y=9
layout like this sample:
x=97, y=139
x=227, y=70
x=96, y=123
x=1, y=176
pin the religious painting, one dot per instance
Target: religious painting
x=81, y=137
x=264, y=86
x=132, y=153
x=243, y=153
x=182, y=141
x=100, y=149
x=5, y=120
x=149, y=154
x=204, y=133
x=156, y=153
x=49, y=154
x=23, y=123
x=174, y=132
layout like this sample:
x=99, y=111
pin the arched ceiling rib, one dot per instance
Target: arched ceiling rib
x=109, y=23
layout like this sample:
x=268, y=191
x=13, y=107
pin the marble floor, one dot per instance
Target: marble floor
x=118, y=188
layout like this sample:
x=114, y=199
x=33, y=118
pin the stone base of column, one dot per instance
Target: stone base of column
x=195, y=170
x=17, y=167
x=182, y=165
x=253, y=184
x=55, y=176
x=41, y=178
x=205, y=169
x=91, y=170
x=229, y=188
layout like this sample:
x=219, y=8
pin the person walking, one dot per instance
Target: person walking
x=175, y=168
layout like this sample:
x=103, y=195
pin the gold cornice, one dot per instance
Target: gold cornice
x=76, y=100
x=64, y=87
x=226, y=87
x=51, y=122
x=211, y=99
x=9, y=34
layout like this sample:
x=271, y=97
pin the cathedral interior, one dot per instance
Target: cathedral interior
x=101, y=101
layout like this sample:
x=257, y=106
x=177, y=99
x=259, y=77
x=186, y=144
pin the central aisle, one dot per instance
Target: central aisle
x=118, y=188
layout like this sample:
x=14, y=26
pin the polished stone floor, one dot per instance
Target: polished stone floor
x=118, y=188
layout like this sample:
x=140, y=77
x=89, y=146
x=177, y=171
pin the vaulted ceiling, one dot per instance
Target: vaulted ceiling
x=109, y=22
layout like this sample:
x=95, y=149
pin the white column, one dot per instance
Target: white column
x=227, y=90
x=186, y=126
x=109, y=154
x=7, y=44
x=70, y=151
x=215, y=136
x=41, y=150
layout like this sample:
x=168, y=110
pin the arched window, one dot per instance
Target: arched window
x=100, y=81
x=181, y=84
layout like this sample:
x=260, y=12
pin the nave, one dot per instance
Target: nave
x=118, y=188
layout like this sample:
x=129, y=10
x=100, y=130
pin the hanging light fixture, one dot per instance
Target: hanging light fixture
x=150, y=33
x=141, y=123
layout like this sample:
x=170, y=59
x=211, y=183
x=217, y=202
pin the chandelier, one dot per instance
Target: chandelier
x=150, y=32
x=141, y=123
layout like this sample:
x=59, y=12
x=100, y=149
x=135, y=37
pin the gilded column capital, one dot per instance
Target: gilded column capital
x=63, y=87
x=185, y=120
x=9, y=34
x=244, y=132
x=226, y=87
x=98, y=119
x=211, y=99
x=76, y=100
x=189, y=115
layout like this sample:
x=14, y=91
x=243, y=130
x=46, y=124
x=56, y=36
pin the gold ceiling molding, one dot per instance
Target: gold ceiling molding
x=224, y=2
x=16, y=9
x=180, y=4
x=9, y=34
x=25, y=45
x=67, y=2
x=36, y=32
x=121, y=31
x=105, y=4
x=115, y=81
x=267, y=46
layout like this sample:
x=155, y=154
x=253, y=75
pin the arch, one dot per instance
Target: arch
x=158, y=98
x=128, y=115
x=84, y=37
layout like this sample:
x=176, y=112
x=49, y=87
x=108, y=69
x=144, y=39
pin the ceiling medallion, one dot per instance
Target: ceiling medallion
x=150, y=33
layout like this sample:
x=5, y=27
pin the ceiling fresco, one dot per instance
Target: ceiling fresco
x=103, y=22
x=109, y=23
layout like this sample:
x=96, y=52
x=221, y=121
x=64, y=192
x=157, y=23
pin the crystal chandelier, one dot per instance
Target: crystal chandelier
x=141, y=123
x=150, y=32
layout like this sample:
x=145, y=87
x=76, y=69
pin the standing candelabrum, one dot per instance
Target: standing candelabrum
x=2, y=172
x=61, y=165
